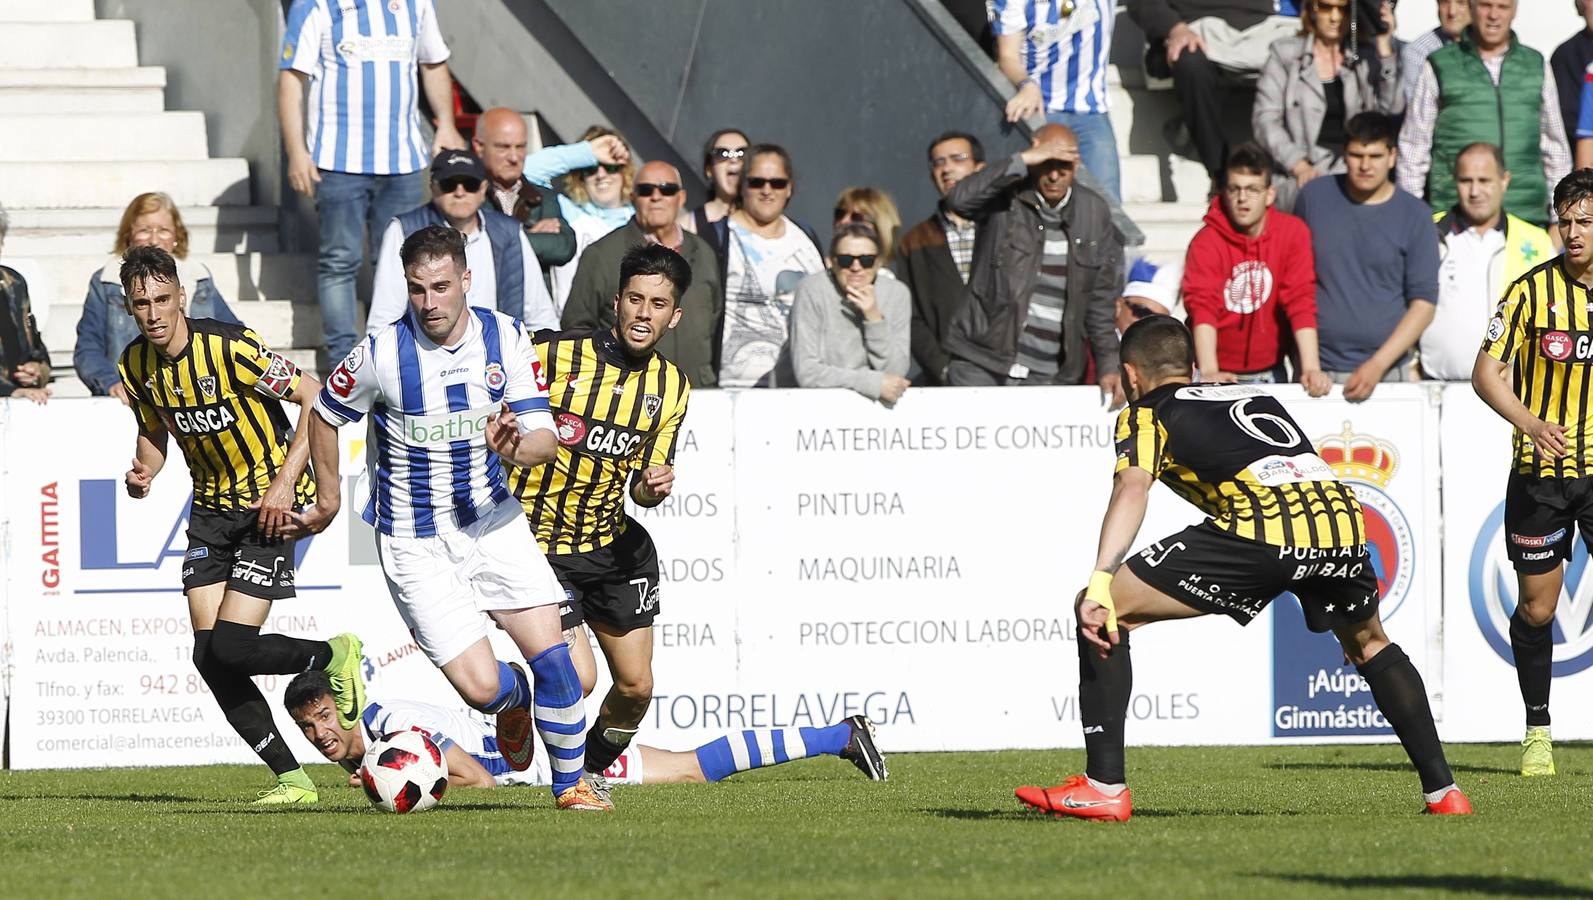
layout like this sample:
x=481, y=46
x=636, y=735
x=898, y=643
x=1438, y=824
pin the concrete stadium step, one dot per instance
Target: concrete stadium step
x=46, y=11
x=102, y=44
x=238, y=276
x=139, y=89
x=211, y=229
x=1153, y=179
x=294, y=328
x=44, y=185
x=108, y=137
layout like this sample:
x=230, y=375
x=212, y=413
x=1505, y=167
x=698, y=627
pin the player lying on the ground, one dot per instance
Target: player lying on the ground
x=218, y=390
x=475, y=761
x=1279, y=521
x=618, y=405
x=454, y=393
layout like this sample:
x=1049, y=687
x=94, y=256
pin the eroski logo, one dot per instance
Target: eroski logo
x=1494, y=596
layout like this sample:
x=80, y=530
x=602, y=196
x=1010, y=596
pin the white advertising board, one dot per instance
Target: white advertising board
x=821, y=556
x=1482, y=699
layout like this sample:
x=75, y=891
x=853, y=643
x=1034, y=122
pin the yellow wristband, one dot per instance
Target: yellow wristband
x=1100, y=591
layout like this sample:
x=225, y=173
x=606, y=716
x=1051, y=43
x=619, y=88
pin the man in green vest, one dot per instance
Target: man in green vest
x=1485, y=87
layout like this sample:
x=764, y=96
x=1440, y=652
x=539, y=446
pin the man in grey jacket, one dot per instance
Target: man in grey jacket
x=1047, y=271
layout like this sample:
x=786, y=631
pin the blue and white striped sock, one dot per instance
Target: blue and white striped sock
x=559, y=714
x=513, y=690
x=756, y=748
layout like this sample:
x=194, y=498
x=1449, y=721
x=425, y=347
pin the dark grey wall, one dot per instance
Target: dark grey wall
x=853, y=88
x=220, y=59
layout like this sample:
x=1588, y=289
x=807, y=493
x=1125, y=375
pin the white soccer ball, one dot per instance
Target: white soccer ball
x=404, y=772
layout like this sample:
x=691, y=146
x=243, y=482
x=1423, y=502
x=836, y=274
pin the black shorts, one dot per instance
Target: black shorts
x=226, y=545
x=1215, y=572
x=615, y=586
x=1539, y=516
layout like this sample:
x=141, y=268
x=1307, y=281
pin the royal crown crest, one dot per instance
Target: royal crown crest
x=1360, y=457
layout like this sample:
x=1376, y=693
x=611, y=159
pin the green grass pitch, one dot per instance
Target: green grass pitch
x=1213, y=822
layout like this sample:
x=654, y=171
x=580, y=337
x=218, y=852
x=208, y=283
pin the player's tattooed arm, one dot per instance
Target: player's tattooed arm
x=1124, y=514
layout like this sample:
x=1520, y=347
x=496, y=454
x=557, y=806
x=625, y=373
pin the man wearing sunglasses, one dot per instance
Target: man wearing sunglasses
x=658, y=197
x=504, y=273
x=1046, y=273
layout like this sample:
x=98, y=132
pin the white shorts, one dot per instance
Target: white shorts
x=444, y=585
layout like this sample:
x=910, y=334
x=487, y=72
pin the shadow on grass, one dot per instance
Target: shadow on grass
x=1500, y=885
x=443, y=808
x=986, y=815
x=1009, y=815
x=114, y=798
x=1387, y=767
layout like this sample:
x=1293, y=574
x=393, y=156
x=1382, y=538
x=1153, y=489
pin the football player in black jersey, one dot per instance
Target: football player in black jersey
x=1279, y=520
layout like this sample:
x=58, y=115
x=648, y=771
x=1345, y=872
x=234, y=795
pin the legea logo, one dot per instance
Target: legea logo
x=445, y=428
x=1493, y=600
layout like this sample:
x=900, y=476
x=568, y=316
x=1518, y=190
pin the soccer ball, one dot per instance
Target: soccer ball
x=404, y=772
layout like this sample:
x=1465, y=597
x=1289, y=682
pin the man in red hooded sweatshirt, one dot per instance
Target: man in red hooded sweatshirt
x=1249, y=271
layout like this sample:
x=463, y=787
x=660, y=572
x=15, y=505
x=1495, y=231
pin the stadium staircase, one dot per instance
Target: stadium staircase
x=83, y=130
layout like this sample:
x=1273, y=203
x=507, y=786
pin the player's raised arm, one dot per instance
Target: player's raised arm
x=522, y=431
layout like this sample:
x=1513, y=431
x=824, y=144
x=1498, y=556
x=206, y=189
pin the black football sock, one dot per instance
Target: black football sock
x=605, y=744
x=245, y=707
x=244, y=649
x=1104, y=689
x=1397, y=687
x=1533, y=646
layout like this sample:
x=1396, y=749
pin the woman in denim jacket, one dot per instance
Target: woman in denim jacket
x=106, y=329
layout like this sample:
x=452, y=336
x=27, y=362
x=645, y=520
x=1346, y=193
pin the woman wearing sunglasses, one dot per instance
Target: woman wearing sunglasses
x=875, y=208
x=596, y=200
x=849, y=327
x=723, y=157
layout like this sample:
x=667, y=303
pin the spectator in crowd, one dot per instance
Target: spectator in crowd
x=935, y=255
x=1376, y=262
x=693, y=344
x=1056, y=55
x=723, y=156
x=1047, y=270
x=1570, y=63
x=24, y=361
x=106, y=328
x=1248, y=272
x=500, y=141
x=1453, y=17
x=1312, y=84
x=875, y=208
x=1152, y=290
x=1486, y=86
x=766, y=255
x=1209, y=44
x=504, y=274
x=361, y=155
x=1482, y=251
x=849, y=327
x=596, y=200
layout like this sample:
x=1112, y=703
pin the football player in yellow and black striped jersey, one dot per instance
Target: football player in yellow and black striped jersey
x=1280, y=521
x=219, y=390
x=617, y=409
x=1536, y=370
